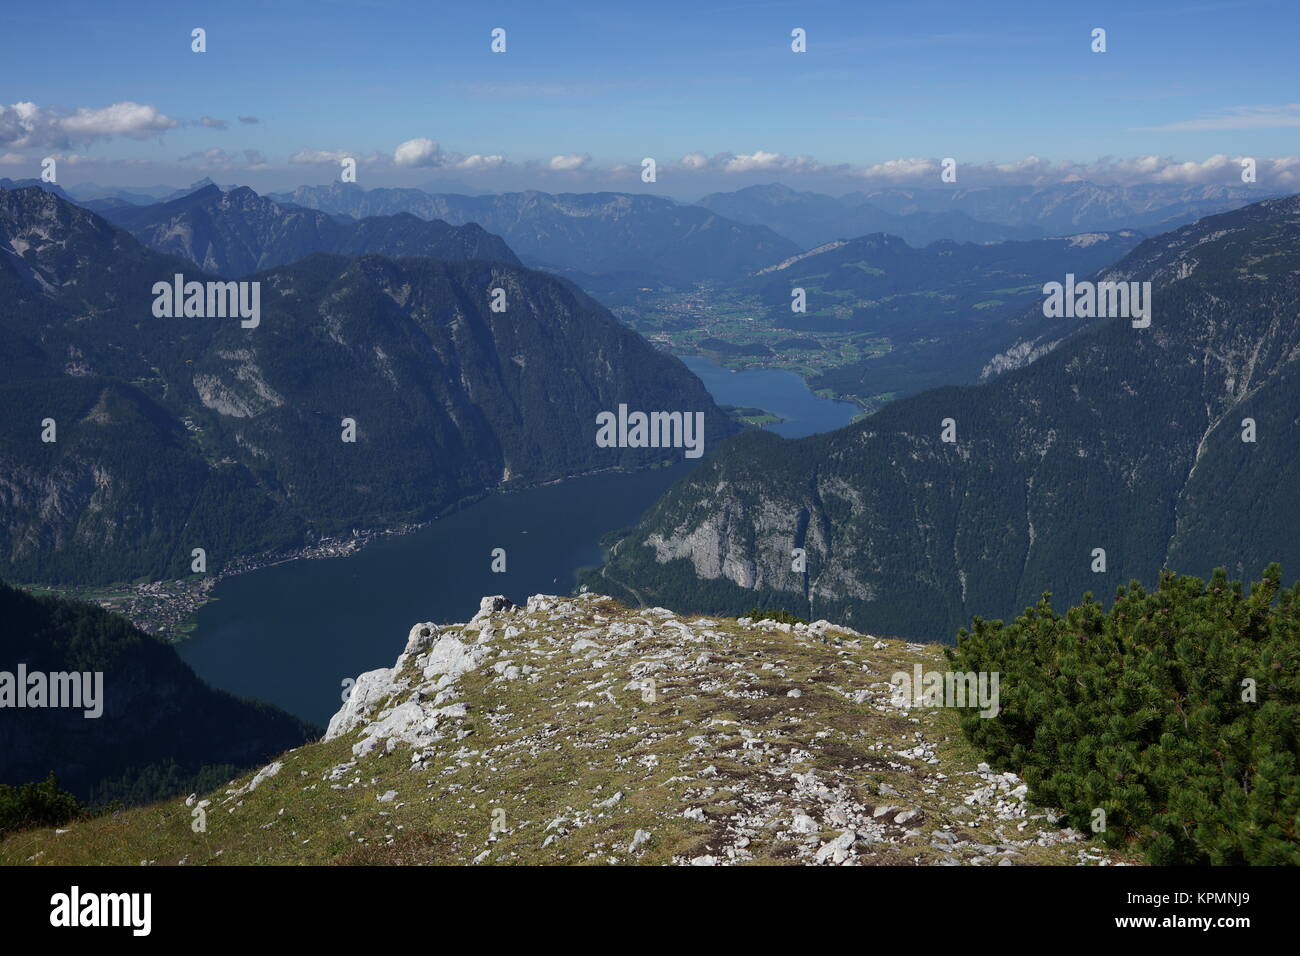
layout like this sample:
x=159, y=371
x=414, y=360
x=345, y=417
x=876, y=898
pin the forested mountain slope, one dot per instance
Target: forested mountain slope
x=187, y=432
x=158, y=726
x=1123, y=439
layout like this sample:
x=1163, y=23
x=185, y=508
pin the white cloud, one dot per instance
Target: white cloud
x=476, y=162
x=694, y=171
x=26, y=125
x=755, y=160
x=135, y=120
x=568, y=163
x=762, y=165
x=1211, y=170
x=418, y=152
x=1031, y=165
x=758, y=161
x=1217, y=169
x=309, y=157
x=900, y=170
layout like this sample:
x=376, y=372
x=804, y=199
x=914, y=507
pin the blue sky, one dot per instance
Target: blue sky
x=605, y=84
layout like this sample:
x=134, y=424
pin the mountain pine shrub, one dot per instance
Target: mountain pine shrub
x=42, y=804
x=1177, y=713
x=778, y=614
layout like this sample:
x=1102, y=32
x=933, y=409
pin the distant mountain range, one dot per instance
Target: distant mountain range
x=626, y=239
x=138, y=195
x=611, y=242
x=1072, y=207
x=238, y=232
x=812, y=219
x=977, y=214
x=648, y=238
x=192, y=432
x=1124, y=439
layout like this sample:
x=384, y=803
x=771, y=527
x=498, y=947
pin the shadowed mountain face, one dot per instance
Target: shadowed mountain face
x=177, y=433
x=1122, y=439
x=595, y=233
x=156, y=720
x=6, y=183
x=237, y=233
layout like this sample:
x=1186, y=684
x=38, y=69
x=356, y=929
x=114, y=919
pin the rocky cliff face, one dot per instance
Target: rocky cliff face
x=576, y=730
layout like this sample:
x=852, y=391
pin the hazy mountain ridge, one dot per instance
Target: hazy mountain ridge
x=925, y=214
x=1075, y=206
x=813, y=219
x=237, y=232
x=589, y=232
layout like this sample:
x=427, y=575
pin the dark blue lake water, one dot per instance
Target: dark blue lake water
x=774, y=390
x=290, y=634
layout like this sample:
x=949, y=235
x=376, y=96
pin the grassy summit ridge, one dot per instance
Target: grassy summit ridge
x=529, y=735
